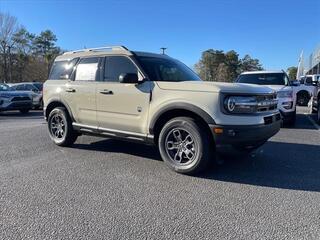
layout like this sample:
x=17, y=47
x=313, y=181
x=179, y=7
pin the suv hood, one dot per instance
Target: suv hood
x=278, y=88
x=204, y=86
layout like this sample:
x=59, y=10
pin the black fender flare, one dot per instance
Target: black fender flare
x=180, y=106
x=58, y=100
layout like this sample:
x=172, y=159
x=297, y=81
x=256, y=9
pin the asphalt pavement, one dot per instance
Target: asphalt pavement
x=108, y=189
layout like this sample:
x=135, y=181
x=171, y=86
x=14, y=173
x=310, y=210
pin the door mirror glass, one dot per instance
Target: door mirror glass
x=128, y=78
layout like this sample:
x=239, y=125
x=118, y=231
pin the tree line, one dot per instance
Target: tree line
x=220, y=66
x=25, y=56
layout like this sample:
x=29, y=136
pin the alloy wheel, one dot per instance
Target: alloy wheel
x=57, y=126
x=180, y=146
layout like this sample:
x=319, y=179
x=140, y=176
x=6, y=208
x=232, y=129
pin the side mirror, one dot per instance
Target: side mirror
x=295, y=83
x=314, y=83
x=128, y=78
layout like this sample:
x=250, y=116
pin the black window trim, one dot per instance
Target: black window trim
x=132, y=59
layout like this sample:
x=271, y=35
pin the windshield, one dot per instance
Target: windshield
x=4, y=87
x=39, y=86
x=264, y=79
x=170, y=70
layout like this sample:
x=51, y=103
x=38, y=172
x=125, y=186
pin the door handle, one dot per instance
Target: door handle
x=70, y=90
x=106, y=92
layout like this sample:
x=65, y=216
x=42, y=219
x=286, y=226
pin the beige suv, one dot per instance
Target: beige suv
x=155, y=99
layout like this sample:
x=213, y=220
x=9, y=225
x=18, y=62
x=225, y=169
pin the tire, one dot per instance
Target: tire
x=292, y=121
x=60, y=127
x=303, y=98
x=24, y=111
x=184, y=146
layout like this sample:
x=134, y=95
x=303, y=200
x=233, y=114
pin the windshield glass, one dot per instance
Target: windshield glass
x=264, y=79
x=170, y=70
x=4, y=87
x=39, y=86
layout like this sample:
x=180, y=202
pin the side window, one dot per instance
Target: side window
x=87, y=69
x=29, y=87
x=21, y=87
x=116, y=65
x=62, y=69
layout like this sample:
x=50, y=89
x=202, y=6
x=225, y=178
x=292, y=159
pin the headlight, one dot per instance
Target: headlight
x=249, y=104
x=285, y=94
x=5, y=96
x=240, y=104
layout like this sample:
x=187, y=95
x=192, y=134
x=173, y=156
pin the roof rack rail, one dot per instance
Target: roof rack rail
x=110, y=48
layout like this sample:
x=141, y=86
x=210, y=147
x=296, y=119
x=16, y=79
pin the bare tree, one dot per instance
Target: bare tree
x=8, y=28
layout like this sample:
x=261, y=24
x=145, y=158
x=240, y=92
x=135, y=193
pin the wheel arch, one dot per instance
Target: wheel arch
x=303, y=91
x=178, y=110
x=57, y=103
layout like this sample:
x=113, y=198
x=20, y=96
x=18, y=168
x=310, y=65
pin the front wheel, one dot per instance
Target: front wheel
x=184, y=146
x=303, y=98
x=60, y=127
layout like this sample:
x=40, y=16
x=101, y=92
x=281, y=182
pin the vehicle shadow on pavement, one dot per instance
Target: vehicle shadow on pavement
x=278, y=165
x=302, y=122
x=117, y=146
x=17, y=114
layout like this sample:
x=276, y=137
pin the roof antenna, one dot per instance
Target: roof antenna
x=163, y=50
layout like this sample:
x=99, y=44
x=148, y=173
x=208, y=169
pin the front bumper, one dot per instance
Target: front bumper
x=247, y=137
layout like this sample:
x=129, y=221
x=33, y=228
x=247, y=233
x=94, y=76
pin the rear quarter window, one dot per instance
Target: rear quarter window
x=62, y=70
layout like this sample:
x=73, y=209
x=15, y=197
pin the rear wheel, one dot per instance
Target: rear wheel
x=184, y=146
x=60, y=127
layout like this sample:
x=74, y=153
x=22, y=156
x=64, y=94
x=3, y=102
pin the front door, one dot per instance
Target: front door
x=122, y=106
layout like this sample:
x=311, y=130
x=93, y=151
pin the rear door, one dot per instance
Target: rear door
x=80, y=92
x=122, y=106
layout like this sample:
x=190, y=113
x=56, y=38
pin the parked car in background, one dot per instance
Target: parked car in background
x=278, y=81
x=306, y=89
x=13, y=100
x=35, y=88
x=155, y=99
x=315, y=102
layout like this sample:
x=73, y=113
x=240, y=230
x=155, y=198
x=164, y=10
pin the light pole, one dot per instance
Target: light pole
x=163, y=49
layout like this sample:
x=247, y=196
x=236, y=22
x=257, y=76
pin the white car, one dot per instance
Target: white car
x=306, y=89
x=278, y=81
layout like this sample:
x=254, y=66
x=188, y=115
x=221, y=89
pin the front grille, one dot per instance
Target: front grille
x=267, y=102
x=15, y=99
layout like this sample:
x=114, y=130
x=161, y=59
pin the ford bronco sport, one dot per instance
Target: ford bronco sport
x=153, y=98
